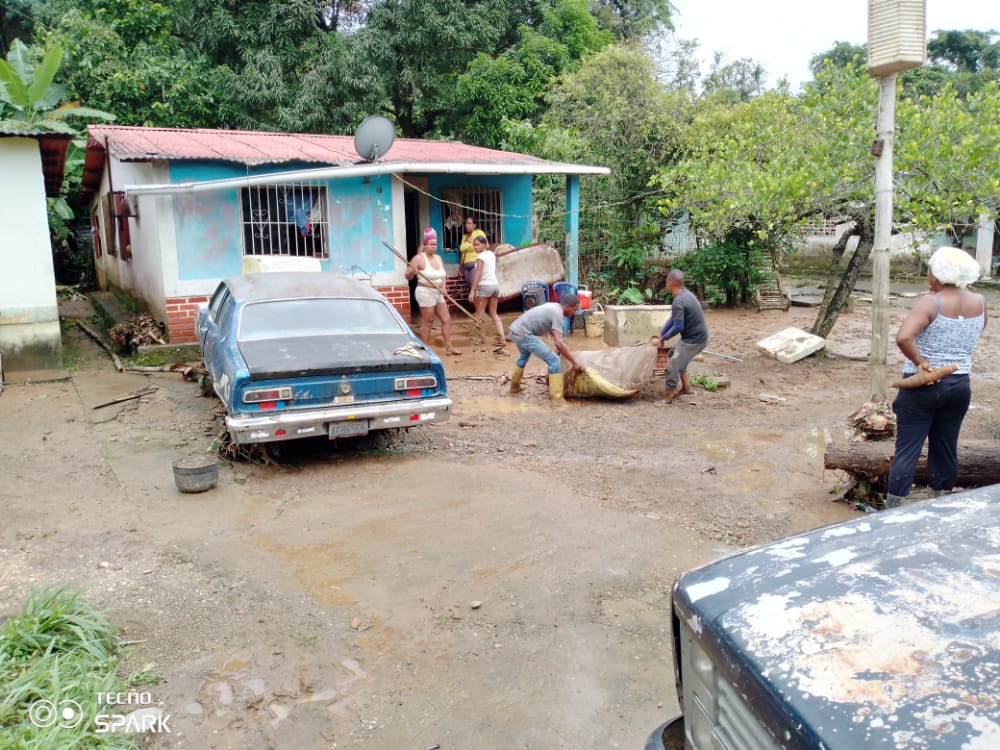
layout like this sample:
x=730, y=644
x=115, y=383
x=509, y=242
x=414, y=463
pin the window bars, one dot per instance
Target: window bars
x=484, y=204
x=285, y=220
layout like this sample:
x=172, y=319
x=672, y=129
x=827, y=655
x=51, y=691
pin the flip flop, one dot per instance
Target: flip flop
x=453, y=352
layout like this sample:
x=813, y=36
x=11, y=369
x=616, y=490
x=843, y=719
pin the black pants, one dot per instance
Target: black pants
x=933, y=413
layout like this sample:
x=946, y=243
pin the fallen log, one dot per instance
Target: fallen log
x=923, y=377
x=978, y=461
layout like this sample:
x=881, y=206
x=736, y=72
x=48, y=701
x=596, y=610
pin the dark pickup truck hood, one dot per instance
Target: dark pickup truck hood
x=327, y=355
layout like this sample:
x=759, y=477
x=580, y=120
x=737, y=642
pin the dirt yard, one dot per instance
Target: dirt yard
x=498, y=582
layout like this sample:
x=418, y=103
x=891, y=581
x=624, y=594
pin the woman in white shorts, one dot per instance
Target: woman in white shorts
x=485, y=290
x=429, y=269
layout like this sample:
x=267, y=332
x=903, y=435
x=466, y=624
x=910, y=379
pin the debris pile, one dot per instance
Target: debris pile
x=141, y=330
x=874, y=420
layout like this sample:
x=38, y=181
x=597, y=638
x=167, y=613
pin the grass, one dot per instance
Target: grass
x=706, y=382
x=61, y=649
x=163, y=356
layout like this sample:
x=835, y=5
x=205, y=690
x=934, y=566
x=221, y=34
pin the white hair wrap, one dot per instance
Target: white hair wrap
x=952, y=265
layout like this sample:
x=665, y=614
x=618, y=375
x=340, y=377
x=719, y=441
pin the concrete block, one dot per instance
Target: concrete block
x=625, y=325
x=791, y=345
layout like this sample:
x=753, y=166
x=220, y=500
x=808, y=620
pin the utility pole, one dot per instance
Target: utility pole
x=897, y=41
x=882, y=148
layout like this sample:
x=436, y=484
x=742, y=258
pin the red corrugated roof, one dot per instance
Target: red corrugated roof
x=254, y=148
x=137, y=144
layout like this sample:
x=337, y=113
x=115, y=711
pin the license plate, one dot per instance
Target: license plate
x=348, y=429
x=348, y=399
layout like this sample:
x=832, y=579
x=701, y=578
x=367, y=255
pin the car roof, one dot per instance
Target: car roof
x=257, y=287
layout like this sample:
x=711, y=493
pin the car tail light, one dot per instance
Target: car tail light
x=259, y=395
x=416, y=384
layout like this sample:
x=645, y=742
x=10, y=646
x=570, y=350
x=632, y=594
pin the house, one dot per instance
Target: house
x=174, y=211
x=33, y=163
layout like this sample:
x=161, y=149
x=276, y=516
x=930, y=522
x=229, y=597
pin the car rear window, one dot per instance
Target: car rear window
x=316, y=317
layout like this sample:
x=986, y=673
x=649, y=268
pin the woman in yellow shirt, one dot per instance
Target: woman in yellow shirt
x=468, y=256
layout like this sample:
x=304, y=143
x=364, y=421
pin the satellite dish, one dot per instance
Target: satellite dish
x=374, y=137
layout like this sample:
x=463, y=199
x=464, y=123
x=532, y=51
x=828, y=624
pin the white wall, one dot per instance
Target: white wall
x=29, y=313
x=143, y=275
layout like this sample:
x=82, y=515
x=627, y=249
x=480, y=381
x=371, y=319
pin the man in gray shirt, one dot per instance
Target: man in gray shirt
x=687, y=319
x=526, y=333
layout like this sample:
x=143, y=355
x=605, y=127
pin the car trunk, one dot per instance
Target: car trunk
x=332, y=355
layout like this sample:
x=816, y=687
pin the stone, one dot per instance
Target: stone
x=791, y=345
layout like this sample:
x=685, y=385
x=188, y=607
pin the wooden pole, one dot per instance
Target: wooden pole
x=440, y=289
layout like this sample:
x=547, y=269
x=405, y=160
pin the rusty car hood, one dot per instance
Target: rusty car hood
x=883, y=631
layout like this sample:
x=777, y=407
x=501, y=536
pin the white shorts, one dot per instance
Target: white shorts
x=488, y=290
x=427, y=297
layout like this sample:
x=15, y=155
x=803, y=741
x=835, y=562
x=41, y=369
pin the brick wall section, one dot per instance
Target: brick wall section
x=399, y=296
x=180, y=318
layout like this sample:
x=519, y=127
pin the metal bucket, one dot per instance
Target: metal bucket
x=196, y=473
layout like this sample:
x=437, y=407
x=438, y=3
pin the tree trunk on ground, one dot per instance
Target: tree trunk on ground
x=835, y=297
x=978, y=461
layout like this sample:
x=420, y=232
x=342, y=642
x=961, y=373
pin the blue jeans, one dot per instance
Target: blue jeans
x=933, y=413
x=529, y=345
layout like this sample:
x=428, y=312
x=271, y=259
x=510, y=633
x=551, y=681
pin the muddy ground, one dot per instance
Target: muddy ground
x=500, y=581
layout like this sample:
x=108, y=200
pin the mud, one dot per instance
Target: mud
x=498, y=581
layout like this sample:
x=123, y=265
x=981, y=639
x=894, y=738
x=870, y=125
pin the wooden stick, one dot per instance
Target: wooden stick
x=923, y=377
x=446, y=295
x=138, y=394
x=97, y=337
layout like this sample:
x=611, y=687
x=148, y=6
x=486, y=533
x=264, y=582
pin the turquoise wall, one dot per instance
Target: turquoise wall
x=516, y=204
x=207, y=224
x=208, y=232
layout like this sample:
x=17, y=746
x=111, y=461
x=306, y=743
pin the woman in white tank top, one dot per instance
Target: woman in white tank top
x=431, y=275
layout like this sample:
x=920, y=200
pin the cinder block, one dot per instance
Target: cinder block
x=791, y=345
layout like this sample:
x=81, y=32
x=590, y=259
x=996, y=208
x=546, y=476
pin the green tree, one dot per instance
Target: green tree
x=769, y=165
x=123, y=56
x=738, y=81
x=30, y=100
x=512, y=86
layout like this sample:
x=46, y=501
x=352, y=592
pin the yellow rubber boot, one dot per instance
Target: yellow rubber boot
x=556, y=389
x=515, y=380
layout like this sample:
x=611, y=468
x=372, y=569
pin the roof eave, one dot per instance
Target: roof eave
x=367, y=170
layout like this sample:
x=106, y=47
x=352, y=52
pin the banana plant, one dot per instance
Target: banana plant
x=30, y=101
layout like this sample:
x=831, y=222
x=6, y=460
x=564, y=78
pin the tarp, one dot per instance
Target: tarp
x=616, y=372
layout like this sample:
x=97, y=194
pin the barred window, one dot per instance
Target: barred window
x=285, y=220
x=485, y=204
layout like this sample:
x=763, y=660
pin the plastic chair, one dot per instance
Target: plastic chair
x=565, y=287
x=533, y=293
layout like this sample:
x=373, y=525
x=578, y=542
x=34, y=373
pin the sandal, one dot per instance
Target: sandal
x=453, y=352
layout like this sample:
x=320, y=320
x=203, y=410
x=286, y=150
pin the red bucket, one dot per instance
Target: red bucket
x=586, y=297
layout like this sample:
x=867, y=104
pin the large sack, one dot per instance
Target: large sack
x=616, y=372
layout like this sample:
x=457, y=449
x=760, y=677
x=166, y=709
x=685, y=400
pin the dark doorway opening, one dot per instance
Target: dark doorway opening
x=411, y=210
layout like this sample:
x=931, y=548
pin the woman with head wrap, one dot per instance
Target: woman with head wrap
x=942, y=329
x=429, y=269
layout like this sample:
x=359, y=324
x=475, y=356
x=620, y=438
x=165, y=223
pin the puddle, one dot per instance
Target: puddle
x=500, y=404
x=746, y=453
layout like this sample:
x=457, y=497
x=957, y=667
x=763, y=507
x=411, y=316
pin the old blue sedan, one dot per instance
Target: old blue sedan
x=304, y=354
